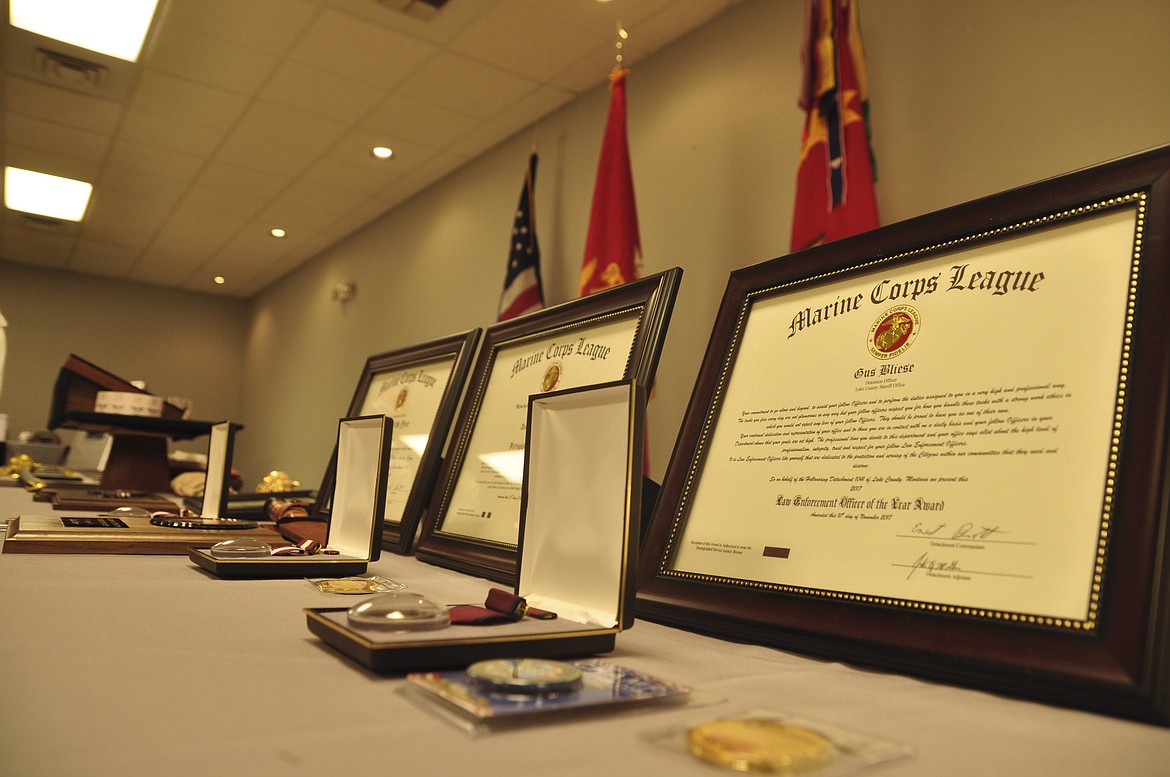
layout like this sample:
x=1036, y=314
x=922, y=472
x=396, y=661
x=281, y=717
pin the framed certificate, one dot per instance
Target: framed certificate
x=940, y=447
x=616, y=334
x=418, y=388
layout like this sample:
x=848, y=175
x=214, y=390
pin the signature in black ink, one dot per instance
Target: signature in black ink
x=968, y=531
x=928, y=564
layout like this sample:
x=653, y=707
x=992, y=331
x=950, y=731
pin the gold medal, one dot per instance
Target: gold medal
x=344, y=586
x=752, y=745
x=373, y=584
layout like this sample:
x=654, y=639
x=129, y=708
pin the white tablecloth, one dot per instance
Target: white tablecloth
x=141, y=665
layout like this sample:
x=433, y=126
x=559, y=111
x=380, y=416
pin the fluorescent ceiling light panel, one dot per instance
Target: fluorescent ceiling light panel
x=114, y=27
x=45, y=195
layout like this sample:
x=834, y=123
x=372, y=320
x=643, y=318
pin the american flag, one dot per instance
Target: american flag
x=522, y=287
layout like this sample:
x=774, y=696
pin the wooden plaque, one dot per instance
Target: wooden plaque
x=54, y=534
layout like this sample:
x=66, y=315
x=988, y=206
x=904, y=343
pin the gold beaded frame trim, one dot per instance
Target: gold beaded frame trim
x=612, y=334
x=1137, y=200
x=636, y=312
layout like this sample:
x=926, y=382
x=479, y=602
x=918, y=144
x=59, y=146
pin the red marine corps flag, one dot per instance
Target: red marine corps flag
x=613, y=249
x=612, y=246
x=834, y=183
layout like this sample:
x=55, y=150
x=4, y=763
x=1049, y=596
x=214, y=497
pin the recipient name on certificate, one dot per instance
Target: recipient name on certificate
x=938, y=432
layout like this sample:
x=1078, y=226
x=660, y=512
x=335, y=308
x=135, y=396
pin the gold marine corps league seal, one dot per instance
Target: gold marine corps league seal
x=552, y=376
x=893, y=332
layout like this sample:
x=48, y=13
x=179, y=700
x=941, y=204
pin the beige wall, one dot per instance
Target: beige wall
x=968, y=99
x=181, y=344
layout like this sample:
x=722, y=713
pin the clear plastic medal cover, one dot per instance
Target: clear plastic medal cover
x=127, y=511
x=399, y=611
x=241, y=547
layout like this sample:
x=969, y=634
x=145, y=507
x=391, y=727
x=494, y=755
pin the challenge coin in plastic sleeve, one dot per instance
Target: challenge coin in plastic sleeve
x=753, y=745
x=525, y=675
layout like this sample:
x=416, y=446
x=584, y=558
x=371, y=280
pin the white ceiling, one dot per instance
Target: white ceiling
x=243, y=115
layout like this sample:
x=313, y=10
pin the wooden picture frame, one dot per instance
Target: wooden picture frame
x=615, y=334
x=426, y=381
x=976, y=494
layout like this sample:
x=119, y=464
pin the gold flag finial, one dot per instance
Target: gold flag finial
x=621, y=36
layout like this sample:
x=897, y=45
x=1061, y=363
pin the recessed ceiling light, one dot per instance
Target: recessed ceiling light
x=45, y=195
x=220, y=280
x=277, y=232
x=114, y=27
x=382, y=152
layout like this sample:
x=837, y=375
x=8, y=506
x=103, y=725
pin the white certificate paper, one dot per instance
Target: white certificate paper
x=485, y=502
x=410, y=396
x=933, y=434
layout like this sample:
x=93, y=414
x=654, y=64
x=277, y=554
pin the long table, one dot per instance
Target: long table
x=120, y=665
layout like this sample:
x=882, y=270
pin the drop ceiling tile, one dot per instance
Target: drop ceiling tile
x=440, y=27
x=362, y=181
x=309, y=204
x=211, y=201
x=190, y=235
x=159, y=270
x=131, y=233
x=183, y=100
x=304, y=88
x=605, y=15
x=104, y=259
x=270, y=26
x=248, y=257
x=253, y=247
x=198, y=281
x=400, y=117
x=524, y=39
x=158, y=162
x=347, y=45
x=169, y=133
x=588, y=71
x=116, y=180
x=461, y=84
x=524, y=116
x=422, y=176
x=123, y=219
x=61, y=106
x=52, y=161
x=210, y=61
x=277, y=139
x=48, y=137
x=234, y=179
x=670, y=24
x=39, y=247
x=269, y=107
x=353, y=150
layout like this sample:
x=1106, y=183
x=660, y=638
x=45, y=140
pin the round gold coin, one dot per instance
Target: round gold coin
x=751, y=745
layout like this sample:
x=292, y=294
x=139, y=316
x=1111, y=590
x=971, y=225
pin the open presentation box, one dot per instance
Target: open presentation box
x=579, y=517
x=355, y=525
